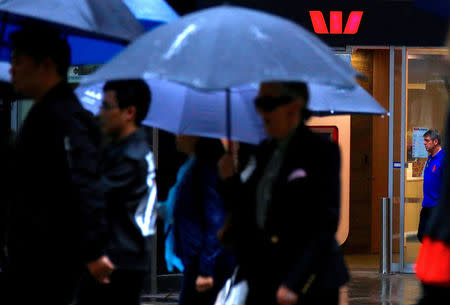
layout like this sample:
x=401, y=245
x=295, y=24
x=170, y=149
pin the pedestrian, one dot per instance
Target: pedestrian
x=432, y=178
x=285, y=210
x=128, y=177
x=57, y=223
x=198, y=215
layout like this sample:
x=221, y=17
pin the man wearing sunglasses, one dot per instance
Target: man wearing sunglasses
x=285, y=215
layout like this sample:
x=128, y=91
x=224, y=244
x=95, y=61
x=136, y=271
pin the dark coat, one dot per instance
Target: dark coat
x=57, y=219
x=297, y=247
x=128, y=174
x=199, y=213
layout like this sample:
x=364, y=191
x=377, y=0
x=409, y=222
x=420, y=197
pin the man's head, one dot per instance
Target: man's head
x=282, y=105
x=432, y=141
x=125, y=104
x=40, y=58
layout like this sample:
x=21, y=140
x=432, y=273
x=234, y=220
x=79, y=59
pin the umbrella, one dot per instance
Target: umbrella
x=97, y=18
x=96, y=29
x=4, y=72
x=182, y=110
x=225, y=47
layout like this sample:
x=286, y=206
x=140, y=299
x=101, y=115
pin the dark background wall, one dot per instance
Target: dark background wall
x=384, y=22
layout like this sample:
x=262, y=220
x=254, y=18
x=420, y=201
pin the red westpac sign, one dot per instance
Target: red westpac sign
x=320, y=26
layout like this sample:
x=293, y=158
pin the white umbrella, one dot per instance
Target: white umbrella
x=225, y=47
x=181, y=110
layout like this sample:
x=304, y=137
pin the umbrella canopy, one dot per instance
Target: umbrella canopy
x=326, y=100
x=149, y=11
x=182, y=110
x=96, y=29
x=110, y=19
x=4, y=72
x=225, y=47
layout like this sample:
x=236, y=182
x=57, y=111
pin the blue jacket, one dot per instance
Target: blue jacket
x=432, y=180
x=199, y=214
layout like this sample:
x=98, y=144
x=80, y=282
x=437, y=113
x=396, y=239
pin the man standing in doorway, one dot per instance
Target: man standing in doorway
x=432, y=178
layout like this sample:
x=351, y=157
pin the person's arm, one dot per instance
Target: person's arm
x=82, y=155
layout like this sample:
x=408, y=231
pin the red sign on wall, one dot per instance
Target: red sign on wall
x=320, y=26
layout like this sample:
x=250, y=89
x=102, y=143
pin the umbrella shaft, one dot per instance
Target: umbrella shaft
x=228, y=114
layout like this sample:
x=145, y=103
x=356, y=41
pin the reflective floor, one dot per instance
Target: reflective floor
x=366, y=287
x=369, y=287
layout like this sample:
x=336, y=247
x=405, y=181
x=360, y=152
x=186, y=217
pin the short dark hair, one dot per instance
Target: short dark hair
x=433, y=134
x=133, y=92
x=41, y=42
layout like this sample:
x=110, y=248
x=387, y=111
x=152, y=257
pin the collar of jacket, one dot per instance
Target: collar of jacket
x=134, y=146
x=54, y=94
x=298, y=132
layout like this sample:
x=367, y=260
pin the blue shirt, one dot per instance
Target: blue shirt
x=432, y=179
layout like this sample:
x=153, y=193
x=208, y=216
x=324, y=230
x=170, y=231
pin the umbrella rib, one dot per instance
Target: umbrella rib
x=183, y=111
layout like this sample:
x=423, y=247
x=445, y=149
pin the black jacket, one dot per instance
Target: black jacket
x=58, y=215
x=128, y=175
x=297, y=246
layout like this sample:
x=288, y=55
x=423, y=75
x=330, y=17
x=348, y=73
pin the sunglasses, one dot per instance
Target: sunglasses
x=107, y=106
x=270, y=103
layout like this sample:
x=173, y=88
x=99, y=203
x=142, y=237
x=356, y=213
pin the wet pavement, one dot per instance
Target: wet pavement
x=365, y=288
x=370, y=288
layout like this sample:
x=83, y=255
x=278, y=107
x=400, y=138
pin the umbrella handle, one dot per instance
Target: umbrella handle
x=230, y=146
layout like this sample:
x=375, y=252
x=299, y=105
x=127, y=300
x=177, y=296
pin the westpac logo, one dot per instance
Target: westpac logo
x=320, y=26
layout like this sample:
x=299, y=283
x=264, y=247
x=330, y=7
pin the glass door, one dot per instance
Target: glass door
x=426, y=105
x=418, y=101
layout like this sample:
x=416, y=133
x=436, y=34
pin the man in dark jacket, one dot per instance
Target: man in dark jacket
x=128, y=176
x=57, y=219
x=285, y=209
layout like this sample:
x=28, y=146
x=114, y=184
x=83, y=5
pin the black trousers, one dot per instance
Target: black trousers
x=425, y=214
x=125, y=288
x=39, y=287
x=433, y=295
